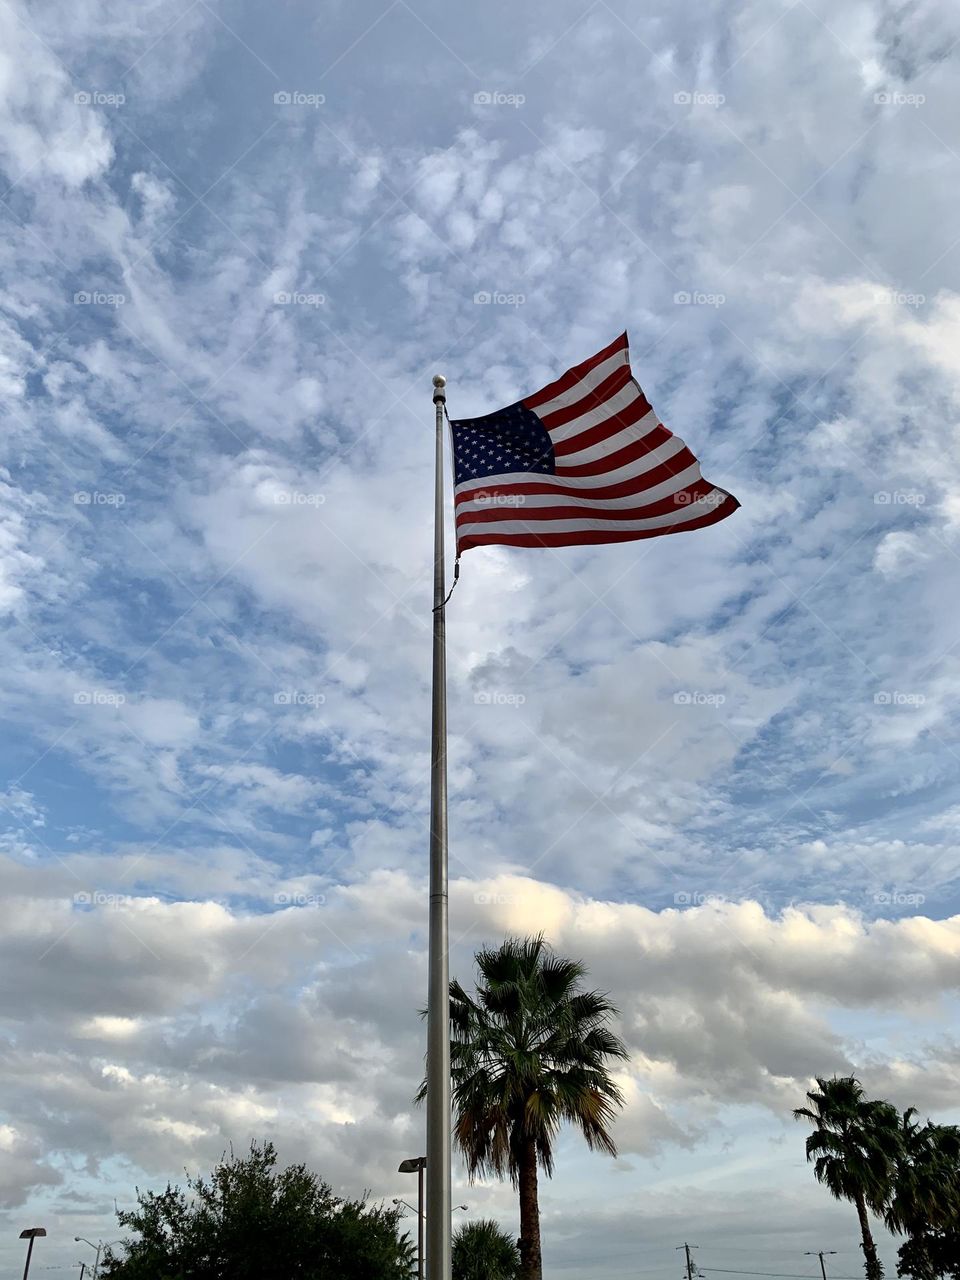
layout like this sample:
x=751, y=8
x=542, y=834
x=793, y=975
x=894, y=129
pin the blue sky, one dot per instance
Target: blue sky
x=722, y=768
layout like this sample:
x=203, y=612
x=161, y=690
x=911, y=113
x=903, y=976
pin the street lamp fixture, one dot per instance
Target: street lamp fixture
x=30, y=1234
x=99, y=1246
x=417, y=1164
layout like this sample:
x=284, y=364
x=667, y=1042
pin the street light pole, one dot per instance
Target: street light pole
x=99, y=1246
x=409, y=1166
x=30, y=1234
x=416, y=1165
x=26, y=1265
x=422, y=1164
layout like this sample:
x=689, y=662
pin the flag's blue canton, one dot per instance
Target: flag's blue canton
x=513, y=439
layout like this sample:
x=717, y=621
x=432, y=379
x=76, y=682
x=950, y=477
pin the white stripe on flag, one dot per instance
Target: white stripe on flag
x=597, y=414
x=683, y=514
x=522, y=501
x=629, y=435
x=589, y=382
x=662, y=453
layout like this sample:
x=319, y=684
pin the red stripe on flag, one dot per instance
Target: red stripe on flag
x=678, y=502
x=573, y=376
x=603, y=430
x=593, y=536
x=611, y=384
x=623, y=489
x=632, y=452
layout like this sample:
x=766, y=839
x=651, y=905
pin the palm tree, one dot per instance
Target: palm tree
x=854, y=1145
x=926, y=1180
x=528, y=1052
x=482, y=1250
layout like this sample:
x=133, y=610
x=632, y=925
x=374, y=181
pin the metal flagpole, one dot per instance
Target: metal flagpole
x=438, y=995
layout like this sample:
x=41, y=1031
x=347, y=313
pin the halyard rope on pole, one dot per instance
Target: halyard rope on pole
x=456, y=579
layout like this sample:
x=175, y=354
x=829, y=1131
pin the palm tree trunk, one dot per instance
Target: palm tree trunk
x=530, y=1265
x=872, y=1267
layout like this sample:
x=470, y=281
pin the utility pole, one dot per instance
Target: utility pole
x=819, y=1253
x=690, y=1267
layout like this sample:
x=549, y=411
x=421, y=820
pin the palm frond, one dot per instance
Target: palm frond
x=530, y=1051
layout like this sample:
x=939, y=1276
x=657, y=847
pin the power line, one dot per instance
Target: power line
x=778, y=1275
x=565, y=1258
x=785, y=1275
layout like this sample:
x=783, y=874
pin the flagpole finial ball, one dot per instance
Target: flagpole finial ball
x=439, y=380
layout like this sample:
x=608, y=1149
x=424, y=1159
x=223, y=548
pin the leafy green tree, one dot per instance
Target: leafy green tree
x=926, y=1183
x=252, y=1221
x=529, y=1052
x=930, y=1255
x=854, y=1146
x=482, y=1250
x=925, y=1204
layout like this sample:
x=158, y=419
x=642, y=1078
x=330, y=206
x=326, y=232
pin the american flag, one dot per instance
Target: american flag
x=584, y=460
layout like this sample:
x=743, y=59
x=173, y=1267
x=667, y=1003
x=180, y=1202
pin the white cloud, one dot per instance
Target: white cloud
x=249, y=626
